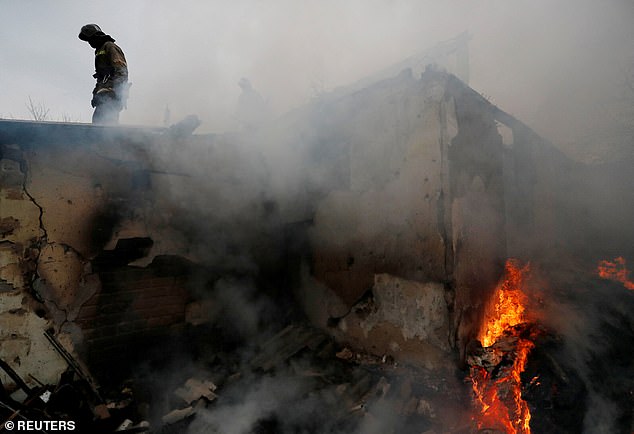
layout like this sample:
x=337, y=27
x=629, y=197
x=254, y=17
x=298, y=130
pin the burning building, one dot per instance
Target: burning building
x=352, y=254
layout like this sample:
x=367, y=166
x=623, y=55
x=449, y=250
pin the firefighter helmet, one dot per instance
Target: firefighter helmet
x=90, y=30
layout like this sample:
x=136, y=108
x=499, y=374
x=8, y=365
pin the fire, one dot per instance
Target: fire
x=507, y=307
x=498, y=391
x=615, y=270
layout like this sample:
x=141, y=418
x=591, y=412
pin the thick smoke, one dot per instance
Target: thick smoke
x=592, y=321
x=281, y=401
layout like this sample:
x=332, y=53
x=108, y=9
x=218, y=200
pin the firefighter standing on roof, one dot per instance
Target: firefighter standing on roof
x=111, y=71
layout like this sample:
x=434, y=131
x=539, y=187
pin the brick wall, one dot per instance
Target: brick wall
x=135, y=312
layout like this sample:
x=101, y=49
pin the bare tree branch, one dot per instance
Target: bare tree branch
x=39, y=112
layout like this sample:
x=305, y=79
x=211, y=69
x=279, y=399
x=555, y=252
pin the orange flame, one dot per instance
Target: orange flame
x=500, y=398
x=615, y=270
x=507, y=306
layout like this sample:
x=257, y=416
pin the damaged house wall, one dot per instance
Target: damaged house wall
x=397, y=204
x=76, y=209
x=111, y=237
x=23, y=344
x=400, y=184
x=425, y=180
x=423, y=201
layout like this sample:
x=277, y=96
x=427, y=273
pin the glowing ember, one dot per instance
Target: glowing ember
x=498, y=392
x=615, y=270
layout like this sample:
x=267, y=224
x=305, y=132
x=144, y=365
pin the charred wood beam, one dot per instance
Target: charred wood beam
x=72, y=363
x=15, y=377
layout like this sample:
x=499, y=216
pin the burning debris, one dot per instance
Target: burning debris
x=496, y=365
x=615, y=270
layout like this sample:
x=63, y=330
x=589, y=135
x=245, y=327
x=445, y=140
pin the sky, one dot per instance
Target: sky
x=555, y=64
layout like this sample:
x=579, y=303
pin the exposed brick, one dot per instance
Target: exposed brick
x=134, y=310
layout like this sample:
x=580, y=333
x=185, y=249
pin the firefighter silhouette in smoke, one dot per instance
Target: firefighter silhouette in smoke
x=111, y=71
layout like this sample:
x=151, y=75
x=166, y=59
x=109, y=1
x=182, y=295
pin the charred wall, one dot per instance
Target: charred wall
x=424, y=199
x=401, y=179
x=113, y=238
x=135, y=310
x=75, y=202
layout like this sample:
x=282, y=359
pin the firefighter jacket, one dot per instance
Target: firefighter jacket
x=111, y=72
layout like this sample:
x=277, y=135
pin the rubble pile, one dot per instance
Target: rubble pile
x=300, y=380
x=301, y=370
